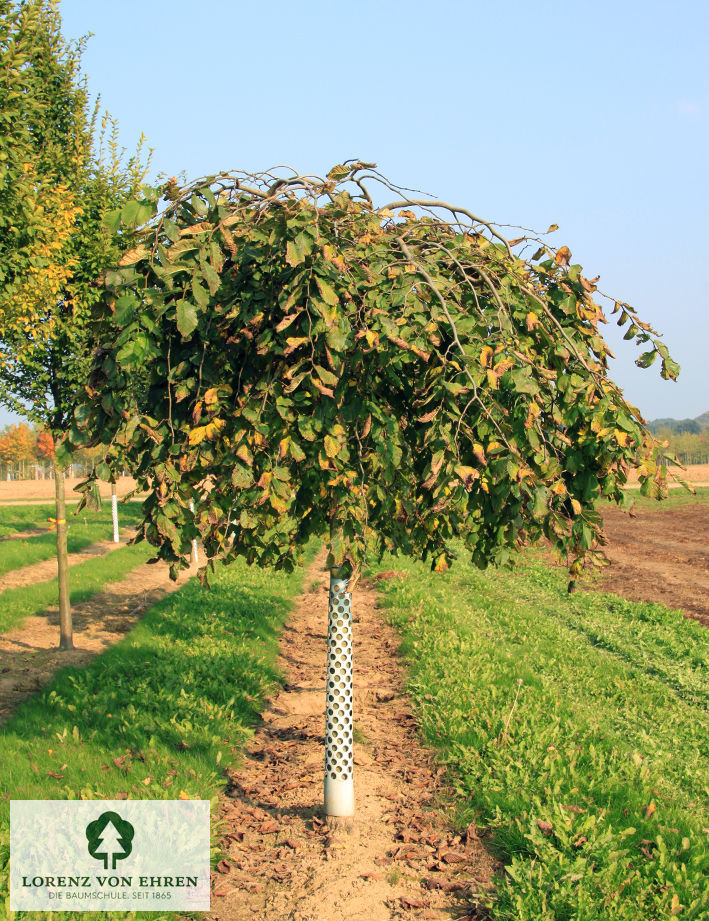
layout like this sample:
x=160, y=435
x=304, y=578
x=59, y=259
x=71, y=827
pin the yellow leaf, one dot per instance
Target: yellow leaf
x=371, y=337
x=675, y=907
x=650, y=810
x=621, y=437
x=197, y=435
x=576, y=506
x=332, y=448
x=133, y=255
x=492, y=379
x=532, y=321
x=563, y=256
x=183, y=795
x=210, y=396
x=467, y=475
x=213, y=428
x=441, y=564
x=559, y=488
x=486, y=357
x=479, y=453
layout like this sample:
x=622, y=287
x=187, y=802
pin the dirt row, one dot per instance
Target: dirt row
x=661, y=556
x=399, y=858
x=29, y=656
x=47, y=569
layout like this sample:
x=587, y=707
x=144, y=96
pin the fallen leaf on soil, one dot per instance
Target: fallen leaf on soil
x=369, y=875
x=453, y=857
x=268, y=828
x=223, y=867
x=546, y=828
x=408, y=901
x=56, y=776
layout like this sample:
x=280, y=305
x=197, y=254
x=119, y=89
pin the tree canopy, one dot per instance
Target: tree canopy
x=60, y=172
x=399, y=375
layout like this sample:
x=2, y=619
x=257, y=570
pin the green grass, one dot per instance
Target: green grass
x=676, y=498
x=15, y=518
x=173, y=703
x=607, y=740
x=83, y=530
x=85, y=580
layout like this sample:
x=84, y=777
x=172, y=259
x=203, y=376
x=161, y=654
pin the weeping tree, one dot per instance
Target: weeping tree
x=395, y=377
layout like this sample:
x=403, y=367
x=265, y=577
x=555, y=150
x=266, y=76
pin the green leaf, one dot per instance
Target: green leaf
x=327, y=377
x=212, y=278
x=201, y=295
x=327, y=292
x=112, y=220
x=124, y=311
x=171, y=230
x=186, y=318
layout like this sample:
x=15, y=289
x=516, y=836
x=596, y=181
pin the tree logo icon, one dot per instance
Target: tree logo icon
x=110, y=839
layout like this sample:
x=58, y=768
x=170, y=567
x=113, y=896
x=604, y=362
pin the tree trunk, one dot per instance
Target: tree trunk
x=195, y=555
x=339, y=764
x=114, y=513
x=66, y=640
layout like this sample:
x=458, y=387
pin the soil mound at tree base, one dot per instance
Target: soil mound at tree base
x=398, y=857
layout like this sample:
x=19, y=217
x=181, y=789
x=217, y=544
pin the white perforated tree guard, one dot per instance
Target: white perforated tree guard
x=339, y=766
x=114, y=513
x=195, y=555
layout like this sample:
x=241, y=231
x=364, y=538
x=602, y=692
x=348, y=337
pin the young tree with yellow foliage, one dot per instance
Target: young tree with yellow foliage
x=60, y=174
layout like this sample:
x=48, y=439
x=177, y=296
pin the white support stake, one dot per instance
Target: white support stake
x=339, y=764
x=114, y=513
x=195, y=555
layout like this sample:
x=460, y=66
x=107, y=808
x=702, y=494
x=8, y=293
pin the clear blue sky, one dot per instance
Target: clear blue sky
x=592, y=116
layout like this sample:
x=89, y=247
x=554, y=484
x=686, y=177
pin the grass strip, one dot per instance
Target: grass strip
x=676, y=498
x=574, y=728
x=16, y=518
x=84, y=530
x=161, y=713
x=85, y=580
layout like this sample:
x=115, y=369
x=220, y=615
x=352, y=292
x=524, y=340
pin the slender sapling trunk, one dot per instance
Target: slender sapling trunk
x=114, y=513
x=66, y=639
x=195, y=556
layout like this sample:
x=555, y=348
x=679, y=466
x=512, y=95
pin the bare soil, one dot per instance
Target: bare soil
x=696, y=474
x=24, y=490
x=29, y=654
x=399, y=858
x=660, y=556
x=47, y=569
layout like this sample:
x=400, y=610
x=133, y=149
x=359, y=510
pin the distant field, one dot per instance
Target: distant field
x=694, y=473
x=24, y=490
x=675, y=499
